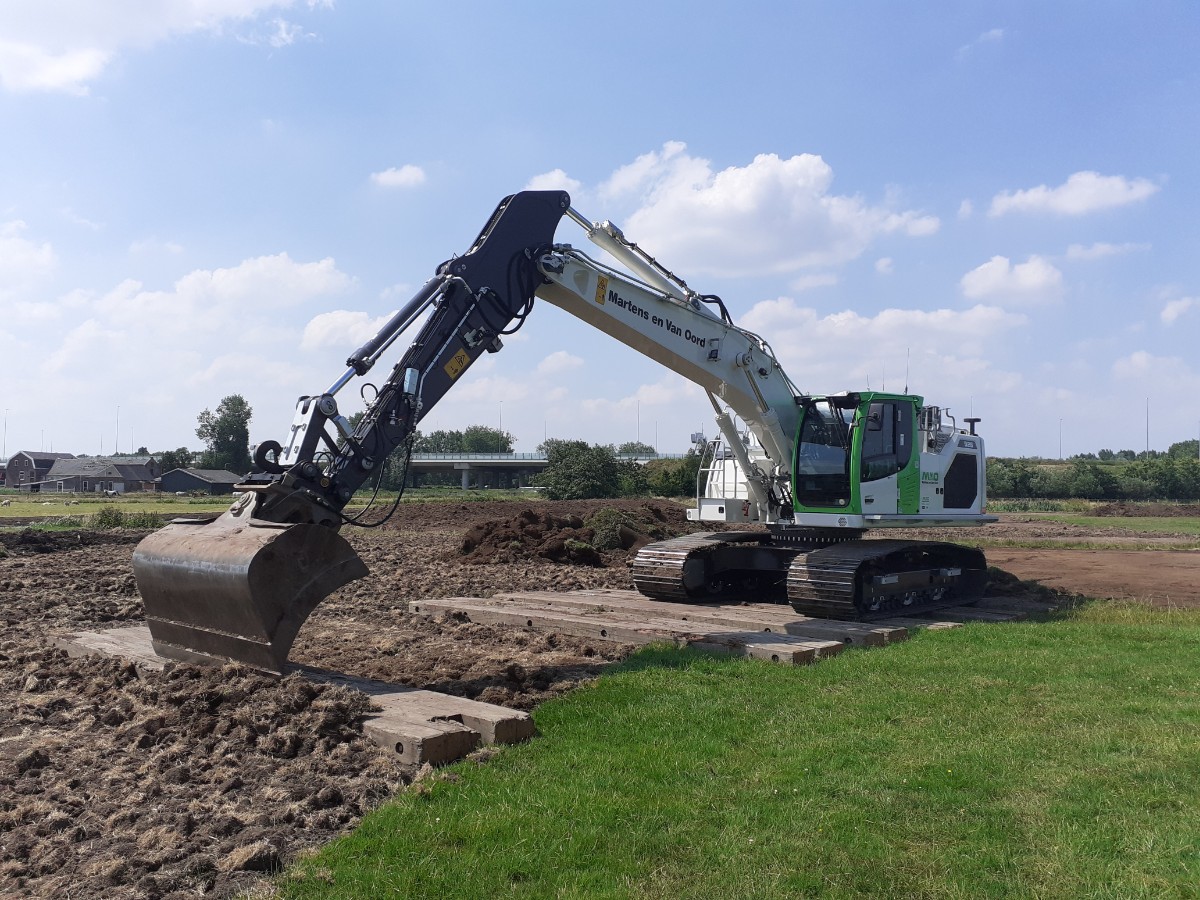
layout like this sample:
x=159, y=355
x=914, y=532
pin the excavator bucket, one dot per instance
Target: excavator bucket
x=237, y=588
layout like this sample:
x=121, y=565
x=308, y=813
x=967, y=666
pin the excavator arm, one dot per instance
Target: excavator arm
x=239, y=587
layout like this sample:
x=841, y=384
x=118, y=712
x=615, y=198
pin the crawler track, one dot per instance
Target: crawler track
x=838, y=579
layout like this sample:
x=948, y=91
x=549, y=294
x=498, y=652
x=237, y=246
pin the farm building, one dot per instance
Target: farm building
x=208, y=481
x=27, y=469
x=94, y=474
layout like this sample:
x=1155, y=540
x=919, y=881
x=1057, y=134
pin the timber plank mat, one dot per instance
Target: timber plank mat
x=760, y=630
x=746, y=616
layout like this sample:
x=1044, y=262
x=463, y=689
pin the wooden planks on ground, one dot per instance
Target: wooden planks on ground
x=420, y=726
x=760, y=630
x=772, y=617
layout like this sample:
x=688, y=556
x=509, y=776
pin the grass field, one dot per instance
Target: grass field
x=1053, y=759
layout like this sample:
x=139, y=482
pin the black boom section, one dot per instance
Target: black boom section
x=479, y=297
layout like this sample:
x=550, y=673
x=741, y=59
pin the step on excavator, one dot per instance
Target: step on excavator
x=808, y=475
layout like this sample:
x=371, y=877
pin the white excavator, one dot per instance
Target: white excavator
x=809, y=475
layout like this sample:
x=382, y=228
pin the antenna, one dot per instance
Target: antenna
x=907, y=361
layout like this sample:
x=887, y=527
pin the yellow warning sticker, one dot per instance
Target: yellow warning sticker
x=458, y=362
x=601, y=289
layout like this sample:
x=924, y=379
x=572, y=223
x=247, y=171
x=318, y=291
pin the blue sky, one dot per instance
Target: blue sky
x=995, y=202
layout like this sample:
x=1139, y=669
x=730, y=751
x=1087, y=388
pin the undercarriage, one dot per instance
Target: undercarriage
x=826, y=574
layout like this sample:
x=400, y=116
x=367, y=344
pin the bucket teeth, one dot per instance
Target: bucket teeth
x=237, y=588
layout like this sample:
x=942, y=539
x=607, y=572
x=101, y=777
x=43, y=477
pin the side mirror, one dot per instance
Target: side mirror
x=875, y=417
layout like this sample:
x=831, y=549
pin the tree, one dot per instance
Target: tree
x=170, y=460
x=226, y=434
x=577, y=471
x=673, y=477
x=1184, y=449
x=636, y=448
x=438, y=442
x=484, y=439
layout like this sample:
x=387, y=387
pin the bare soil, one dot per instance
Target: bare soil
x=117, y=782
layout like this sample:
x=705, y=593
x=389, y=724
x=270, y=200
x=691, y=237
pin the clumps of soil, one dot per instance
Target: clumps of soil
x=30, y=541
x=1004, y=584
x=1163, y=510
x=605, y=538
x=199, y=780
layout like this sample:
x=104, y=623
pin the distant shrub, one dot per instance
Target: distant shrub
x=111, y=517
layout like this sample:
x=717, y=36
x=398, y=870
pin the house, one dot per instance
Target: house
x=27, y=469
x=94, y=474
x=151, y=464
x=208, y=481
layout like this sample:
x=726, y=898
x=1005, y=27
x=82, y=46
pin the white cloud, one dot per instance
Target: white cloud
x=203, y=301
x=558, y=362
x=670, y=391
x=772, y=216
x=942, y=346
x=406, y=176
x=1176, y=308
x=991, y=36
x=1081, y=193
x=341, y=328
x=63, y=45
x=1030, y=281
x=285, y=33
x=815, y=280
x=556, y=180
x=1101, y=250
x=966, y=209
x=885, y=265
x=21, y=260
x=1151, y=372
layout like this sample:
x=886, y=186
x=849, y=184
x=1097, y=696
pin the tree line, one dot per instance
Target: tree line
x=1124, y=475
x=575, y=469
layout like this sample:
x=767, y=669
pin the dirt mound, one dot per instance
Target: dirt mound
x=605, y=537
x=1165, y=510
x=118, y=784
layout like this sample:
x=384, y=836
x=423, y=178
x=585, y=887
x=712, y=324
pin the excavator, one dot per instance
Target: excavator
x=807, y=475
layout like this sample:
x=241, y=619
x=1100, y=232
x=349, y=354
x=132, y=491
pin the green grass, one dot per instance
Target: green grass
x=1056, y=759
x=27, y=505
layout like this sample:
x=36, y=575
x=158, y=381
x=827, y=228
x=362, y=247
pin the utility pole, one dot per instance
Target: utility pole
x=4, y=451
x=1060, y=439
x=117, y=433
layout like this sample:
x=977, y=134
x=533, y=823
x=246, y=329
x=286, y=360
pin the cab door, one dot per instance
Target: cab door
x=885, y=448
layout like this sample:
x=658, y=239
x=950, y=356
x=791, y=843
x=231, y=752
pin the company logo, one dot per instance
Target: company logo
x=929, y=477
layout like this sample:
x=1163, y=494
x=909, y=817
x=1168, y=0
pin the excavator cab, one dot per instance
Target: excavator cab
x=872, y=455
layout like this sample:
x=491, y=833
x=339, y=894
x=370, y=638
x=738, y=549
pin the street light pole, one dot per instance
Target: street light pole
x=500, y=437
x=1060, y=438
